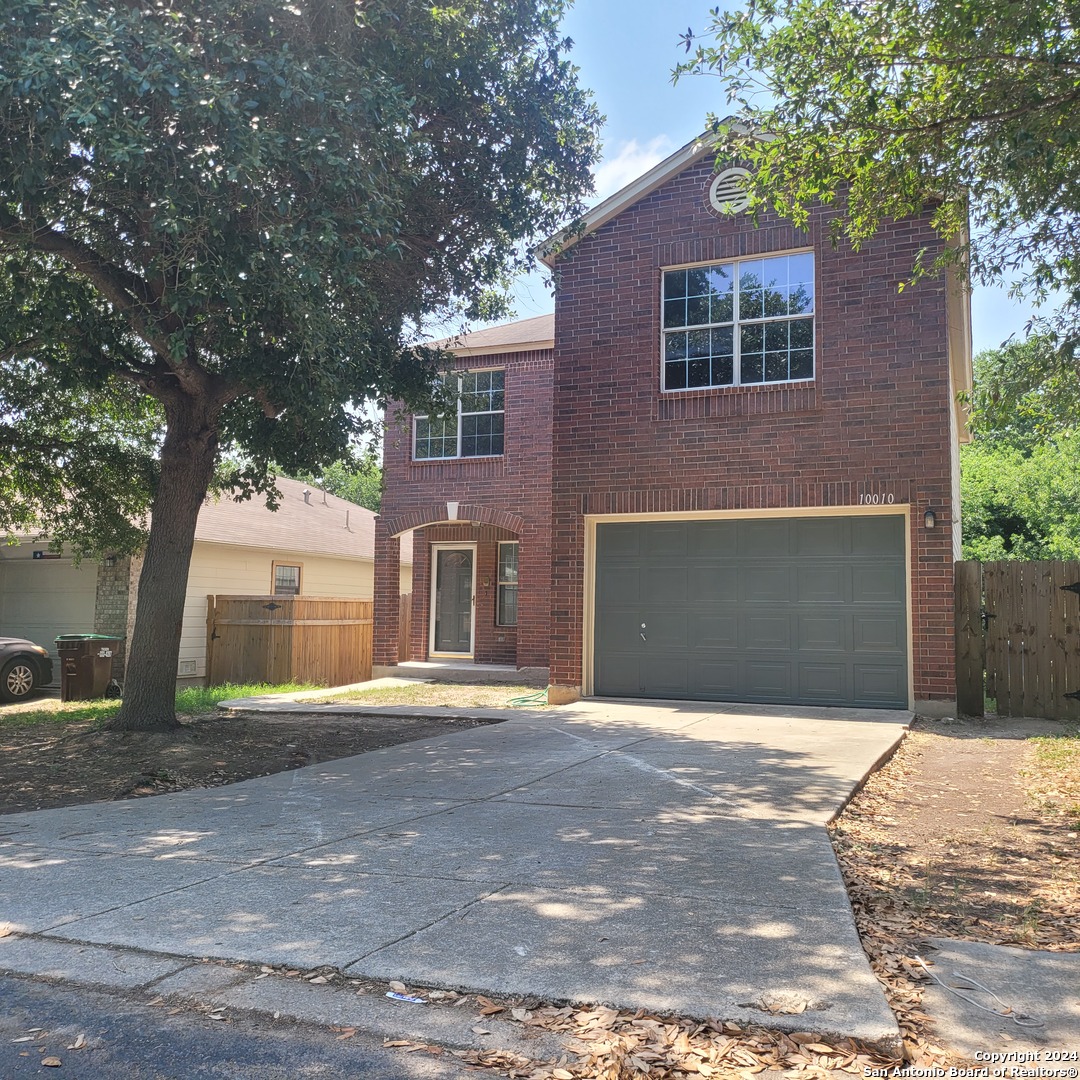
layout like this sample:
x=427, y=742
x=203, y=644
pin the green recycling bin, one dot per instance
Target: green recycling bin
x=85, y=665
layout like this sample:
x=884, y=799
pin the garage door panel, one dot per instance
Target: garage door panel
x=880, y=683
x=765, y=583
x=661, y=583
x=618, y=675
x=767, y=610
x=766, y=632
x=823, y=682
x=714, y=630
x=622, y=630
x=664, y=628
x=820, y=536
x=716, y=678
x=712, y=583
x=43, y=598
x=760, y=538
x=665, y=675
x=878, y=634
x=766, y=680
x=822, y=584
x=713, y=539
x=666, y=541
x=877, y=536
x=877, y=584
x=617, y=585
x=822, y=632
x=622, y=539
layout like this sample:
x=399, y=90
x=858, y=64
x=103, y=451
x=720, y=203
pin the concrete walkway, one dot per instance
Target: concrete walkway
x=669, y=856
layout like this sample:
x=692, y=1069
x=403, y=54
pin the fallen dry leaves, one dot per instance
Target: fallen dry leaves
x=608, y=1044
x=943, y=845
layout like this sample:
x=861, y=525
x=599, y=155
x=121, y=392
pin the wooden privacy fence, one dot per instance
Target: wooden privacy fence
x=1018, y=636
x=325, y=640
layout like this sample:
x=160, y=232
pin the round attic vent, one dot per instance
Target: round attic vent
x=728, y=191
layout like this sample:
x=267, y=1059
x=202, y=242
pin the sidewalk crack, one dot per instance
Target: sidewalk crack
x=434, y=922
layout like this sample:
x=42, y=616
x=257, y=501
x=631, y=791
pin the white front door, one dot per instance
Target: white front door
x=452, y=602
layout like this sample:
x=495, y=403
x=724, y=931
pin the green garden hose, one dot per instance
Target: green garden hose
x=537, y=698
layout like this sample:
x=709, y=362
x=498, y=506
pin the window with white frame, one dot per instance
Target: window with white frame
x=475, y=430
x=506, y=606
x=739, y=323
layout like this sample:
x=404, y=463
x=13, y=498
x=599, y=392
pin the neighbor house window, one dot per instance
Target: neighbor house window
x=739, y=323
x=506, y=609
x=476, y=430
x=286, y=579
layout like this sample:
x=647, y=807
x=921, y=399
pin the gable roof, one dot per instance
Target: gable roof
x=323, y=524
x=524, y=335
x=637, y=189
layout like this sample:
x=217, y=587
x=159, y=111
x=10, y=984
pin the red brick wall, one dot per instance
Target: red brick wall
x=874, y=421
x=511, y=495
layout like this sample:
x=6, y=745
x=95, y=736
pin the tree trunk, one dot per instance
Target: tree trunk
x=187, y=466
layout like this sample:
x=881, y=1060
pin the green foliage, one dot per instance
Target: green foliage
x=248, y=212
x=198, y=700
x=1021, y=505
x=253, y=206
x=76, y=465
x=357, y=478
x=1025, y=392
x=194, y=701
x=887, y=106
x=1020, y=476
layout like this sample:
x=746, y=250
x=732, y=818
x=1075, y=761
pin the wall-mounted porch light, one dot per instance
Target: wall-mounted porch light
x=929, y=519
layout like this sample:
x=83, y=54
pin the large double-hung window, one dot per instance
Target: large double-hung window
x=475, y=429
x=739, y=323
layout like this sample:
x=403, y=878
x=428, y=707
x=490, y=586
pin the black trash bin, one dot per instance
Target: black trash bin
x=85, y=665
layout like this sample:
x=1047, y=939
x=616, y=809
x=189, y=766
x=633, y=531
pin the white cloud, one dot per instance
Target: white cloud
x=630, y=161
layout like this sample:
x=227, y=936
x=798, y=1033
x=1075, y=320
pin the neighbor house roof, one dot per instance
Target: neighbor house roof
x=321, y=523
x=525, y=335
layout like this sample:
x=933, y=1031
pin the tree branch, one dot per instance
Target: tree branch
x=122, y=289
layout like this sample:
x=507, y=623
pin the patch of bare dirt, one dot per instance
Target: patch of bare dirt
x=60, y=764
x=945, y=841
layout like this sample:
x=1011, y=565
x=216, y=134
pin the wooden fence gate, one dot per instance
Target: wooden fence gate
x=326, y=640
x=1018, y=636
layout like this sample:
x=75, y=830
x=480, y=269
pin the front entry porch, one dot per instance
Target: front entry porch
x=479, y=593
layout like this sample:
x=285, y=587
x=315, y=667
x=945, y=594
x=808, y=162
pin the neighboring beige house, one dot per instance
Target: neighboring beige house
x=314, y=544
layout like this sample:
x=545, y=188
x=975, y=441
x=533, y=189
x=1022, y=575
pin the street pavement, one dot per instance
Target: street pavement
x=670, y=856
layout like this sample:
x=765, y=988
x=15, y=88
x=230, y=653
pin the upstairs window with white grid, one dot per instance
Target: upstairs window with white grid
x=474, y=430
x=739, y=323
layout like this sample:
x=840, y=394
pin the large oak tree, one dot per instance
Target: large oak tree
x=244, y=209
x=886, y=106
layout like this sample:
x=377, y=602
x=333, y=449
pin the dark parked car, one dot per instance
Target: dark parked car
x=24, y=668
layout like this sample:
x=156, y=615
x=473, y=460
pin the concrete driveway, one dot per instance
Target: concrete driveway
x=668, y=856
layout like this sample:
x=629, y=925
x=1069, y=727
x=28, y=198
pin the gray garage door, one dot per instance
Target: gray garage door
x=791, y=610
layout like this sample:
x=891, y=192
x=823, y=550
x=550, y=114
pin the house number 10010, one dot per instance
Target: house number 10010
x=876, y=499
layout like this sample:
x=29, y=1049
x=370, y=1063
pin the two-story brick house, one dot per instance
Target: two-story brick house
x=753, y=478
x=475, y=493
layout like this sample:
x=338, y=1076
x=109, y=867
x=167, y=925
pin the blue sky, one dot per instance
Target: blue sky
x=626, y=50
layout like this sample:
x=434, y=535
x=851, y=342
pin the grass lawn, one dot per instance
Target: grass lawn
x=1053, y=773
x=194, y=701
x=450, y=695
